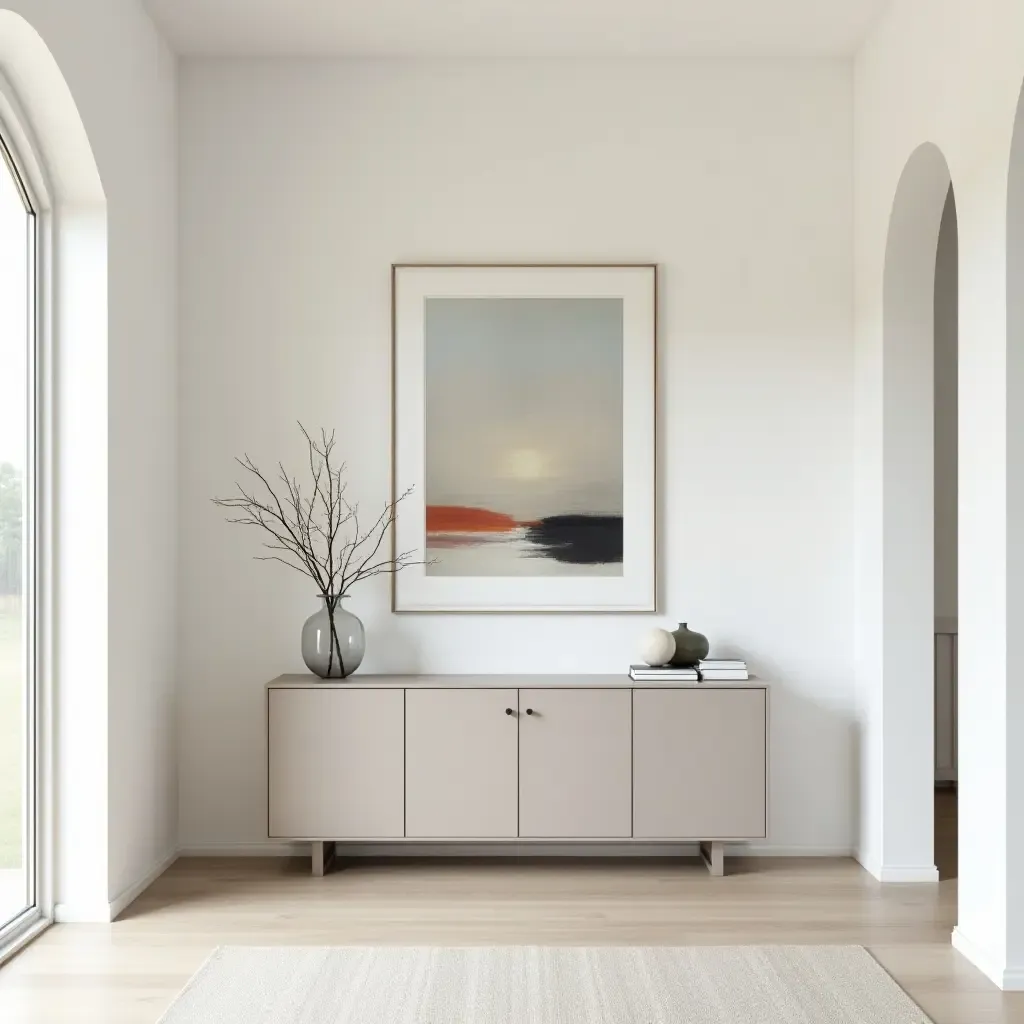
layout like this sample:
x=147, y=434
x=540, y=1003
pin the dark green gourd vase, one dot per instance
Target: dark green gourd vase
x=691, y=647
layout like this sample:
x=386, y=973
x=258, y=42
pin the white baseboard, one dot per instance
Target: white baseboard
x=104, y=913
x=130, y=894
x=1009, y=979
x=868, y=863
x=268, y=849
x=81, y=913
x=908, y=873
x=897, y=873
x=768, y=850
x=508, y=849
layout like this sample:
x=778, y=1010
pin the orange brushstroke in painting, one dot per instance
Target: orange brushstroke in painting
x=459, y=519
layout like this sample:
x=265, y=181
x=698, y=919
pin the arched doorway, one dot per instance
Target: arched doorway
x=908, y=645
x=990, y=898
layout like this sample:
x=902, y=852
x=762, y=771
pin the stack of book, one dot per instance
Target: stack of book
x=713, y=670
x=723, y=670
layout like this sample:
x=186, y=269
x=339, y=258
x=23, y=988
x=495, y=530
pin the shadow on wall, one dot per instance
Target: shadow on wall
x=809, y=741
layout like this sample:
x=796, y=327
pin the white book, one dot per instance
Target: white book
x=662, y=669
x=663, y=675
x=644, y=667
x=725, y=677
x=722, y=663
x=662, y=679
x=647, y=673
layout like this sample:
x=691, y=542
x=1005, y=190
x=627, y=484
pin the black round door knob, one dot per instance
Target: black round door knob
x=529, y=711
x=509, y=711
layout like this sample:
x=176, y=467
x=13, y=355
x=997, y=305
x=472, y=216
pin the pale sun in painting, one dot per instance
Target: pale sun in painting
x=527, y=464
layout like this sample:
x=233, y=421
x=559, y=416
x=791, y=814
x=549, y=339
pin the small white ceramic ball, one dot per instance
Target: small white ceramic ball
x=657, y=647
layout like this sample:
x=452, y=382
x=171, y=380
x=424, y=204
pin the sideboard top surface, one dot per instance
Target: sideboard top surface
x=518, y=681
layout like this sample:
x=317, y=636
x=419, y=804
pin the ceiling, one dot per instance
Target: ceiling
x=516, y=27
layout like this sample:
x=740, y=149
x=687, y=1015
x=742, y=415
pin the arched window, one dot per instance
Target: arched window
x=18, y=726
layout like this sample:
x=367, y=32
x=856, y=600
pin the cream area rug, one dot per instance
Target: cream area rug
x=544, y=985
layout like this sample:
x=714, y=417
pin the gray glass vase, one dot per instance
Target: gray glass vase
x=333, y=641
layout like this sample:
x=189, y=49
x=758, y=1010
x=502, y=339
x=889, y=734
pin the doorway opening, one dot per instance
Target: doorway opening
x=945, y=489
x=919, y=296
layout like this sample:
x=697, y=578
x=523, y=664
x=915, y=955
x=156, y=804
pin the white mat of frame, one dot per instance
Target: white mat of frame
x=543, y=985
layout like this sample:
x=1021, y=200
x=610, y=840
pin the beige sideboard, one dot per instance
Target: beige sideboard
x=468, y=759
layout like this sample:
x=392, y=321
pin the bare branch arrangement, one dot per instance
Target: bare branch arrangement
x=317, y=530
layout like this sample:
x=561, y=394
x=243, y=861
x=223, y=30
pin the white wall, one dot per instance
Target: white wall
x=1013, y=726
x=946, y=326
x=301, y=182
x=949, y=73
x=117, y=810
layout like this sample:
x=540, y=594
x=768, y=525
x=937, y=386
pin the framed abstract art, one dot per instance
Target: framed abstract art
x=524, y=422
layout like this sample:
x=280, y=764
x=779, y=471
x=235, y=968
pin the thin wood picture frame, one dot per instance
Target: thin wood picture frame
x=530, y=390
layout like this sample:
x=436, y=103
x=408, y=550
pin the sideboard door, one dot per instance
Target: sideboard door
x=574, y=763
x=335, y=763
x=461, y=763
x=699, y=763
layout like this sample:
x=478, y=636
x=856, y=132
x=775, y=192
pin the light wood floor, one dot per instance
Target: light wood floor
x=128, y=972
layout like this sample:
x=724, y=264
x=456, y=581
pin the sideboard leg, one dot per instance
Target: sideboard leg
x=323, y=856
x=713, y=855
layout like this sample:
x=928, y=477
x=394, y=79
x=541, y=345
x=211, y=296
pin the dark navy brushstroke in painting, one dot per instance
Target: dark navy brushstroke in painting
x=579, y=539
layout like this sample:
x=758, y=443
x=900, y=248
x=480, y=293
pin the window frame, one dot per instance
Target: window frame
x=19, y=154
